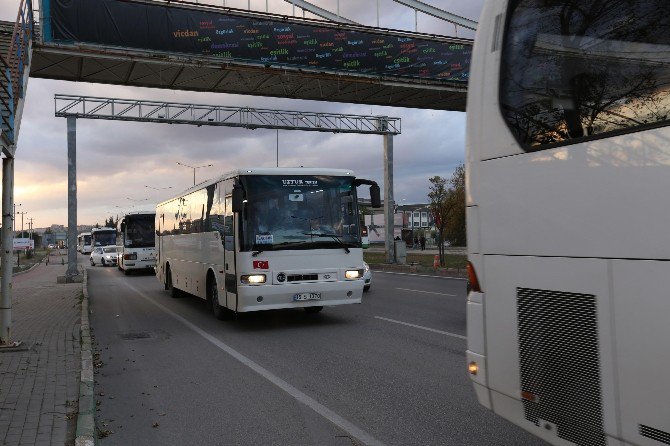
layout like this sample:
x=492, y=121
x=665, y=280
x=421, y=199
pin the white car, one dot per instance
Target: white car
x=105, y=255
x=367, y=277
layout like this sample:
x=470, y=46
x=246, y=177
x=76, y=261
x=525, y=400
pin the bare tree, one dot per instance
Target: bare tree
x=447, y=204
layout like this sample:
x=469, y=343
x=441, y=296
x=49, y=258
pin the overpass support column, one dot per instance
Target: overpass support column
x=72, y=270
x=7, y=247
x=388, y=193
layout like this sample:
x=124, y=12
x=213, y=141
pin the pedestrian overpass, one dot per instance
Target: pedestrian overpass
x=223, y=50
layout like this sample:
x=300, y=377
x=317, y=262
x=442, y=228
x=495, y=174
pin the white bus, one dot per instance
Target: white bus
x=261, y=239
x=84, y=243
x=103, y=237
x=138, y=240
x=568, y=168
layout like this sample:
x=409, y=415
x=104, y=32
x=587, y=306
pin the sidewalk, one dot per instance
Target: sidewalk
x=39, y=384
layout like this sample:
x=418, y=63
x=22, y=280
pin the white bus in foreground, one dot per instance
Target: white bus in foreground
x=263, y=239
x=84, y=243
x=568, y=171
x=138, y=239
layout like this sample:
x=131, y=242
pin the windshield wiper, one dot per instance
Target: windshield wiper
x=334, y=236
x=255, y=253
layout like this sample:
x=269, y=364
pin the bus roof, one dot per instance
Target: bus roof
x=293, y=171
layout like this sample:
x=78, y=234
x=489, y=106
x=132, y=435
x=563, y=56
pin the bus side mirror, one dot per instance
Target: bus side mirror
x=123, y=227
x=375, y=196
x=238, y=199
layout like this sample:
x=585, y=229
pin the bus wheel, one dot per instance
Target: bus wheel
x=174, y=292
x=312, y=310
x=213, y=292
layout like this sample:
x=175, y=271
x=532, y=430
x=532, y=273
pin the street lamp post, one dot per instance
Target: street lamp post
x=194, y=167
x=22, y=214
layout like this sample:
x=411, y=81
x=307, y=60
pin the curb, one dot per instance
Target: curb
x=86, y=418
x=18, y=273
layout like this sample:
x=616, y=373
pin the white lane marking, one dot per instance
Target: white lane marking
x=418, y=275
x=317, y=407
x=446, y=333
x=427, y=292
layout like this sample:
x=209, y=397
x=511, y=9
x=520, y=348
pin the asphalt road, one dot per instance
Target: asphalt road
x=390, y=371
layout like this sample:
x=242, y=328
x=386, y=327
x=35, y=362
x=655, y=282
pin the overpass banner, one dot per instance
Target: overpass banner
x=234, y=36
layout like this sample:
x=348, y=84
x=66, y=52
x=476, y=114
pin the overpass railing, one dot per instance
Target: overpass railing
x=6, y=102
x=13, y=68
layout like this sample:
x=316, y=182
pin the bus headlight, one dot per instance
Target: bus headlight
x=354, y=274
x=132, y=256
x=253, y=278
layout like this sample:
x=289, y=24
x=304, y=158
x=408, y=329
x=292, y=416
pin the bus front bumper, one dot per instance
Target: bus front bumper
x=272, y=297
x=139, y=264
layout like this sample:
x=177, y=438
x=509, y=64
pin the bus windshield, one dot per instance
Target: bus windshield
x=105, y=238
x=299, y=212
x=139, y=231
x=87, y=240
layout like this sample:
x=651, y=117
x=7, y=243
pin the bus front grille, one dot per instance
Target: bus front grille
x=560, y=364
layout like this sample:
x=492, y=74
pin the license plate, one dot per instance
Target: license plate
x=307, y=296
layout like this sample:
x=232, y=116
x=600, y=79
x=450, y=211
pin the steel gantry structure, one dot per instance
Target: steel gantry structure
x=115, y=109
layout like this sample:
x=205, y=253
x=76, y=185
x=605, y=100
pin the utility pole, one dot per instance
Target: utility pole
x=72, y=271
x=7, y=263
x=30, y=228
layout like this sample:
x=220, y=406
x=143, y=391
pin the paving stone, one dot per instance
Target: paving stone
x=36, y=383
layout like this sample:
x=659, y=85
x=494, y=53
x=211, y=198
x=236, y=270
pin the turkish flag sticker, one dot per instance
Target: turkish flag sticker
x=261, y=264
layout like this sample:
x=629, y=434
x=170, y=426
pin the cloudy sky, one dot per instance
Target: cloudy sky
x=116, y=160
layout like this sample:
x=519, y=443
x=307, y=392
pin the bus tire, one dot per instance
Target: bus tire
x=220, y=312
x=169, y=286
x=125, y=272
x=313, y=310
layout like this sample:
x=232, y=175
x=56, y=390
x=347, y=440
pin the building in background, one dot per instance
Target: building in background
x=409, y=220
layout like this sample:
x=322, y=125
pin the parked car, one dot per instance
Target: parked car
x=367, y=276
x=104, y=255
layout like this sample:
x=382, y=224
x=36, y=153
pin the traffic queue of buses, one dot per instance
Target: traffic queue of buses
x=250, y=240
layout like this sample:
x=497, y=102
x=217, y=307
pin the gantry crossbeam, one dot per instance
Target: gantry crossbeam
x=217, y=115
